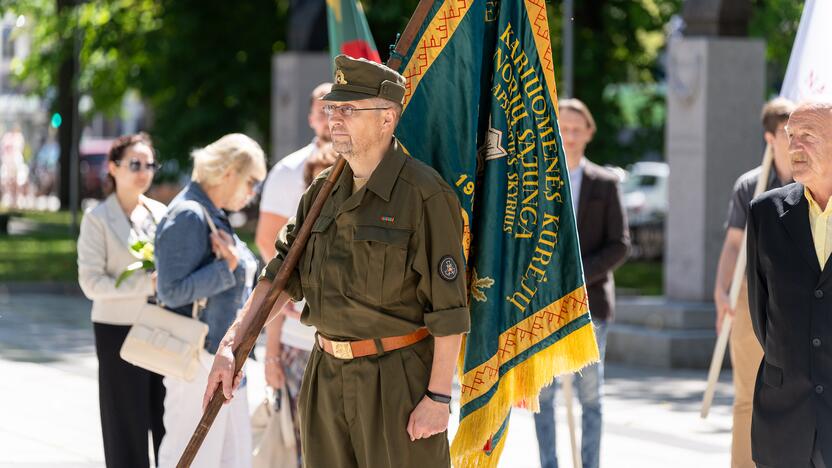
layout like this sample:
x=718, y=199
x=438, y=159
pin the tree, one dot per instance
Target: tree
x=617, y=72
x=210, y=71
x=204, y=67
x=93, y=49
x=776, y=22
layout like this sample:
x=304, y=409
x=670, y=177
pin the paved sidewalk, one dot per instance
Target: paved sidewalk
x=49, y=407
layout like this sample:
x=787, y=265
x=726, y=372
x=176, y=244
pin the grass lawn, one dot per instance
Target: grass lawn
x=44, y=253
x=47, y=253
x=640, y=277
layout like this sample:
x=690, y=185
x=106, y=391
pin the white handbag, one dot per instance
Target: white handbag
x=273, y=432
x=165, y=342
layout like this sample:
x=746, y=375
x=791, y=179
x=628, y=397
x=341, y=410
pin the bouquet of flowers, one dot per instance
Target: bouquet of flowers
x=142, y=250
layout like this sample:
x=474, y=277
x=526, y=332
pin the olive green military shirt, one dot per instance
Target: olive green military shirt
x=384, y=260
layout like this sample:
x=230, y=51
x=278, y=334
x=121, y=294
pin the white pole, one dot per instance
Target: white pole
x=736, y=285
x=568, y=391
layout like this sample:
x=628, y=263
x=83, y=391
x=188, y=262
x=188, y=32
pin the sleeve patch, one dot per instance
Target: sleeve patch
x=448, y=268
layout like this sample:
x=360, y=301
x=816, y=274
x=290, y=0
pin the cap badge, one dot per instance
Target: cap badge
x=339, y=77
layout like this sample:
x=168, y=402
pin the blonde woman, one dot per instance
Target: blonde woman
x=193, y=264
x=130, y=398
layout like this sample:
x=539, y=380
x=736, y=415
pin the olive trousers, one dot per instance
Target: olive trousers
x=354, y=413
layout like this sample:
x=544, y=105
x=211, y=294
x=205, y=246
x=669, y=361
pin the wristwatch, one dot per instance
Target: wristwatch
x=438, y=397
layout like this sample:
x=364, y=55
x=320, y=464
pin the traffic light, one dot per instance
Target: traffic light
x=56, y=120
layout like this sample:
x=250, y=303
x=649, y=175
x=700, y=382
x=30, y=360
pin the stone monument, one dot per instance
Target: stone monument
x=295, y=73
x=716, y=88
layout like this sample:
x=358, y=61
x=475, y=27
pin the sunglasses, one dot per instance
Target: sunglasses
x=136, y=166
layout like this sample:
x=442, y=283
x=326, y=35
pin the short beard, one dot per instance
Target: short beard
x=343, y=148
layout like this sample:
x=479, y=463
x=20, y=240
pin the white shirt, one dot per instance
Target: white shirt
x=284, y=186
x=282, y=192
x=576, y=178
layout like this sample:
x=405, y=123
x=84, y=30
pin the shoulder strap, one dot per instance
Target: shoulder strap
x=208, y=219
x=200, y=304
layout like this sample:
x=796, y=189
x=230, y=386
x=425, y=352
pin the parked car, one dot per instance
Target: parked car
x=645, y=200
x=45, y=168
x=645, y=192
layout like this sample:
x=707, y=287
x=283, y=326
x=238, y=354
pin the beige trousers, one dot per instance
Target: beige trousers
x=746, y=355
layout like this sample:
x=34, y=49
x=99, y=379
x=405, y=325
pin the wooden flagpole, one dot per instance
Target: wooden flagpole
x=736, y=286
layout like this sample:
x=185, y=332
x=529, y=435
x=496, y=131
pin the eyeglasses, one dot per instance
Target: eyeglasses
x=136, y=166
x=346, y=111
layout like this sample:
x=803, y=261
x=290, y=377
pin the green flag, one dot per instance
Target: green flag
x=481, y=109
x=348, y=31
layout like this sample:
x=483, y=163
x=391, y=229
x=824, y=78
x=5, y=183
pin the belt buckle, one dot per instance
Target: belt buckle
x=342, y=349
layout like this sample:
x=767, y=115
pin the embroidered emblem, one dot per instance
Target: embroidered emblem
x=387, y=219
x=339, y=78
x=479, y=286
x=448, y=269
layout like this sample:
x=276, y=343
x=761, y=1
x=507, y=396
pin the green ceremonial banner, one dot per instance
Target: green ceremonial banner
x=348, y=31
x=481, y=109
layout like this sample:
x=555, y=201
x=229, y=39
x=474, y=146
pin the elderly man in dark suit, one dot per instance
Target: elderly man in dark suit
x=790, y=297
x=605, y=241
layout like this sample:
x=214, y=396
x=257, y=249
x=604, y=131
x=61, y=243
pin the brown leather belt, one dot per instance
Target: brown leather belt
x=356, y=349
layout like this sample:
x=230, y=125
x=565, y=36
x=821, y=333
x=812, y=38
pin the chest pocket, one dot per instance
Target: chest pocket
x=315, y=252
x=379, y=256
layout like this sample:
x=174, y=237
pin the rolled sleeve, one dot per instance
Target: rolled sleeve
x=443, y=294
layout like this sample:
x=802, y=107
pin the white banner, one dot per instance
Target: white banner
x=809, y=75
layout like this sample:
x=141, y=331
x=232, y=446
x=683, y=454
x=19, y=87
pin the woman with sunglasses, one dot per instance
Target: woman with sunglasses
x=130, y=398
x=195, y=263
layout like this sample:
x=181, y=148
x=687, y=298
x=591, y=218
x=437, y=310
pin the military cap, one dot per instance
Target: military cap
x=357, y=79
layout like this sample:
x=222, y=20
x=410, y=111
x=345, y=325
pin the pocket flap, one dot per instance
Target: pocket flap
x=322, y=223
x=396, y=237
x=772, y=375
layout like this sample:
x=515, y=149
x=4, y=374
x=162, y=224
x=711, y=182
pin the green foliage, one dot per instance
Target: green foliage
x=46, y=252
x=205, y=66
x=111, y=38
x=640, y=277
x=387, y=19
x=211, y=72
x=616, y=73
x=776, y=22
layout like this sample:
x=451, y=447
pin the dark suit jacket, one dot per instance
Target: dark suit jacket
x=604, y=237
x=791, y=309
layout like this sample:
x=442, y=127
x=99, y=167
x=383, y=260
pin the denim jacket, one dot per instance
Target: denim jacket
x=189, y=271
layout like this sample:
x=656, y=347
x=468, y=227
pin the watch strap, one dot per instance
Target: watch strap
x=438, y=397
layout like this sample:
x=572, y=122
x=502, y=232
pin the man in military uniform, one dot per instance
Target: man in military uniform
x=384, y=281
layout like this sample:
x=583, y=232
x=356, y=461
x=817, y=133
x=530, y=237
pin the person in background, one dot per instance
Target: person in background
x=14, y=173
x=605, y=242
x=194, y=264
x=746, y=353
x=289, y=342
x=130, y=398
x=285, y=183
